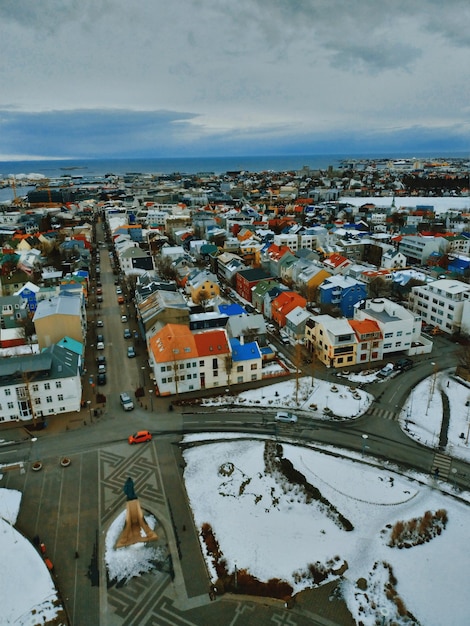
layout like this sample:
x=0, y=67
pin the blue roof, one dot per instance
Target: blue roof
x=72, y=345
x=244, y=352
x=232, y=309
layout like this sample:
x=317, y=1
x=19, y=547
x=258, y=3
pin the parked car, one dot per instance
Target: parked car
x=99, y=299
x=386, y=371
x=285, y=416
x=127, y=334
x=101, y=360
x=100, y=345
x=403, y=364
x=101, y=378
x=100, y=337
x=99, y=323
x=120, y=299
x=99, y=291
x=130, y=352
x=118, y=291
x=126, y=401
x=141, y=436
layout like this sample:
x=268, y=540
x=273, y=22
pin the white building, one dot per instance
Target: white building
x=40, y=385
x=444, y=303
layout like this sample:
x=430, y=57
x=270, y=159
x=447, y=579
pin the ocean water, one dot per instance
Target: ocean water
x=217, y=165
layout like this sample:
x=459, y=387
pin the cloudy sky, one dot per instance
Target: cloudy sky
x=90, y=78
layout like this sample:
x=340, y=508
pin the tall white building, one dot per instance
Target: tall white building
x=444, y=303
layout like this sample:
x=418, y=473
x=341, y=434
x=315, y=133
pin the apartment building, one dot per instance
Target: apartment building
x=443, y=303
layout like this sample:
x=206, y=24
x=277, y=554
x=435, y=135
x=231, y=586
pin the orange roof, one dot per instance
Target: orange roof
x=174, y=342
x=364, y=327
x=211, y=343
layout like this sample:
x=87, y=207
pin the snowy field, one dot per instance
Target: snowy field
x=283, y=534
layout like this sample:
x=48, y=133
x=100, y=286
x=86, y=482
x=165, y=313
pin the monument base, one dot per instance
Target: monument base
x=136, y=529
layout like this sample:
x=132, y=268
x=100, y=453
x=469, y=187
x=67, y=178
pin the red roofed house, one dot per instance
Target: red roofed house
x=286, y=302
x=369, y=340
x=183, y=361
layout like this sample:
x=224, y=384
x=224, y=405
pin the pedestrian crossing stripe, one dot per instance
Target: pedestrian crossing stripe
x=383, y=413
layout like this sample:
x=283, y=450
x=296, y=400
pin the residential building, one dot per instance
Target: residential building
x=247, y=362
x=58, y=317
x=342, y=292
x=332, y=340
x=443, y=303
x=38, y=385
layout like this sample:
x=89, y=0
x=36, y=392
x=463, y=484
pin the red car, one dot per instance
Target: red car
x=140, y=437
x=120, y=300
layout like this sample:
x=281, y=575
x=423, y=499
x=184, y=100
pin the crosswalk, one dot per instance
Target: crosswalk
x=442, y=463
x=383, y=413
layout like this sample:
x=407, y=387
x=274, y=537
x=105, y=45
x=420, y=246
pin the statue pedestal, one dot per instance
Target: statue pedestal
x=136, y=529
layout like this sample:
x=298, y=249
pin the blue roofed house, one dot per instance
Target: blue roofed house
x=247, y=361
x=343, y=292
x=458, y=264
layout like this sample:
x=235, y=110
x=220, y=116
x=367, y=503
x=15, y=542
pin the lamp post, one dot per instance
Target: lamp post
x=151, y=401
x=364, y=446
x=89, y=408
x=454, y=476
x=143, y=375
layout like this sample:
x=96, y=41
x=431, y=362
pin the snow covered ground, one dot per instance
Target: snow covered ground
x=286, y=533
x=268, y=528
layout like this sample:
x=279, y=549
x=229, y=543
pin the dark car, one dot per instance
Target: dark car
x=403, y=364
x=101, y=360
x=127, y=334
x=101, y=379
x=99, y=337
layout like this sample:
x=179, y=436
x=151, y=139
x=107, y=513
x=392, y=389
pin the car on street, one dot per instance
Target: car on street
x=403, y=365
x=126, y=402
x=118, y=291
x=127, y=333
x=120, y=299
x=130, y=352
x=100, y=345
x=101, y=369
x=101, y=379
x=123, y=318
x=386, y=371
x=101, y=360
x=285, y=416
x=99, y=291
x=99, y=299
x=141, y=436
x=99, y=323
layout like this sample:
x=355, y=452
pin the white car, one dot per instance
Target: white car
x=99, y=323
x=100, y=345
x=285, y=416
x=123, y=318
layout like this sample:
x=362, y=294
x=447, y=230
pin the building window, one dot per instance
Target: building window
x=47, y=385
x=163, y=381
x=201, y=363
x=60, y=397
x=163, y=368
x=35, y=387
x=8, y=392
x=239, y=368
x=10, y=405
x=170, y=379
x=254, y=366
x=49, y=399
x=188, y=365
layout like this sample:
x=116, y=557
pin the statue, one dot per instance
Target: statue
x=129, y=489
x=136, y=529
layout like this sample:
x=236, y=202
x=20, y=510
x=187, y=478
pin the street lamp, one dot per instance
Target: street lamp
x=364, y=447
x=143, y=375
x=151, y=401
x=454, y=476
x=89, y=408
